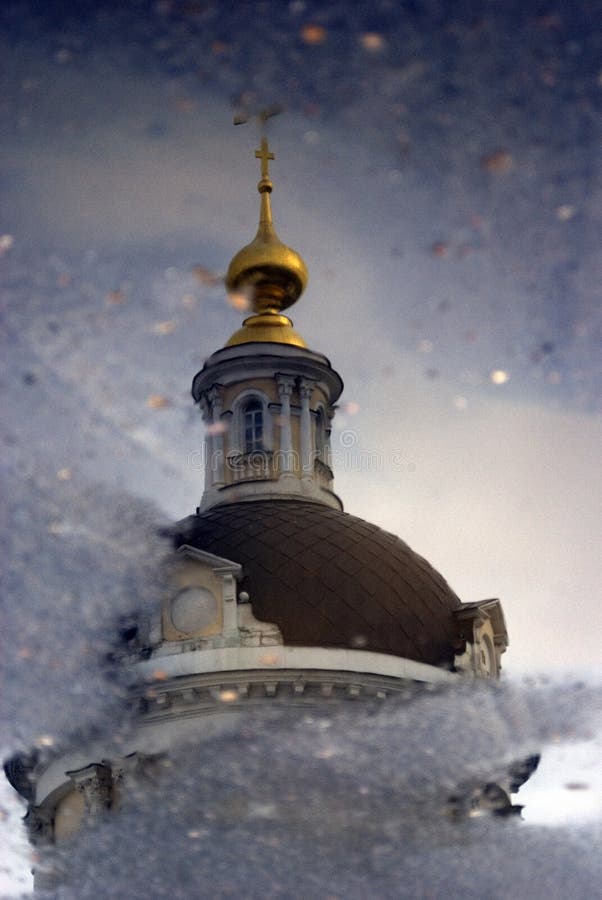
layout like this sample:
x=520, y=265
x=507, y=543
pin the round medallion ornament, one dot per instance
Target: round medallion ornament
x=193, y=609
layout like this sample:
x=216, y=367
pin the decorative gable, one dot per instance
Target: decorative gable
x=202, y=609
x=482, y=638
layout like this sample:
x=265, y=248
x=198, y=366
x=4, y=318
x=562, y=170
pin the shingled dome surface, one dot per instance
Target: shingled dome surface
x=330, y=579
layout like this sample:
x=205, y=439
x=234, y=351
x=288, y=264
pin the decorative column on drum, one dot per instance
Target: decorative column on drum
x=306, y=388
x=285, y=388
x=216, y=443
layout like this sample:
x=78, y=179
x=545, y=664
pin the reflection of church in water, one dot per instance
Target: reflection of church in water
x=278, y=596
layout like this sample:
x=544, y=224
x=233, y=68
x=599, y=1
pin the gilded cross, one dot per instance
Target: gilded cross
x=264, y=155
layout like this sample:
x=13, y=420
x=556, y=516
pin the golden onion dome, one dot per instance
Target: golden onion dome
x=267, y=261
x=269, y=274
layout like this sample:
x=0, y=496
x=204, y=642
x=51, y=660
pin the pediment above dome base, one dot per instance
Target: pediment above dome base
x=482, y=639
x=204, y=611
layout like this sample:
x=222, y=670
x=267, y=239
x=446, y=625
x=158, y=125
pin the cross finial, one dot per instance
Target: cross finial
x=265, y=155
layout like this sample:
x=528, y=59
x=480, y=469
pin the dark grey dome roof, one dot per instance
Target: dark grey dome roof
x=330, y=579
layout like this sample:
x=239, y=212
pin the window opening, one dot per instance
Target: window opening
x=321, y=437
x=253, y=426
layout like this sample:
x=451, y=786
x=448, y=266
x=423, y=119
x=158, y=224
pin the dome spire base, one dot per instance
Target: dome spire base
x=267, y=327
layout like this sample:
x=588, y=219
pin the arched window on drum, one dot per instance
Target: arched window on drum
x=253, y=426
